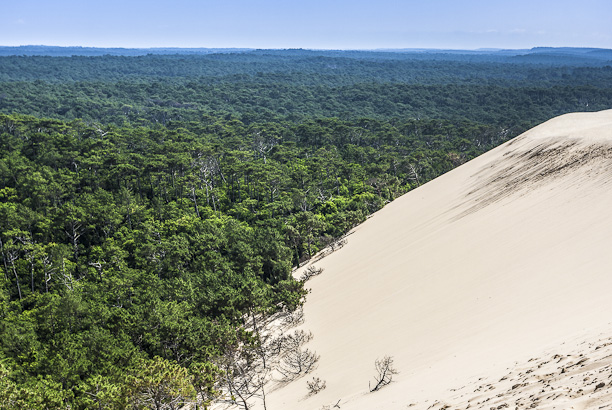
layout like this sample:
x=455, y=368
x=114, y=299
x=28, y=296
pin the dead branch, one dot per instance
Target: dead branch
x=384, y=373
x=310, y=272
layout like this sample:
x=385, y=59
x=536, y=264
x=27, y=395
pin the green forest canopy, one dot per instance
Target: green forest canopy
x=148, y=205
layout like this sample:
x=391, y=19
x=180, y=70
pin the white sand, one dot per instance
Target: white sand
x=505, y=258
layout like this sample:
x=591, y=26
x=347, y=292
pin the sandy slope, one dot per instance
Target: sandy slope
x=505, y=259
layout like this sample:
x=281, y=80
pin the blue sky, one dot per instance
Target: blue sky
x=323, y=24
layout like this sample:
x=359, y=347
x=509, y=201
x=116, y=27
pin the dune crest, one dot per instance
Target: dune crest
x=499, y=261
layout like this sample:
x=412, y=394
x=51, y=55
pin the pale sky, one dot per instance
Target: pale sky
x=320, y=24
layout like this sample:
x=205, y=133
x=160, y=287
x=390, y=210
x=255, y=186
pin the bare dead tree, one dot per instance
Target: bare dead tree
x=310, y=272
x=12, y=256
x=305, y=202
x=278, y=346
x=337, y=244
x=48, y=270
x=98, y=128
x=18, y=246
x=5, y=260
x=267, y=348
x=274, y=347
x=315, y=386
x=414, y=172
x=241, y=378
x=74, y=230
x=294, y=318
x=323, y=197
x=260, y=383
x=296, y=361
x=194, y=198
x=31, y=255
x=242, y=386
x=98, y=266
x=66, y=278
x=384, y=373
x=263, y=146
x=209, y=167
x=297, y=339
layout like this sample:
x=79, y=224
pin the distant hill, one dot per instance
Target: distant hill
x=55, y=51
x=542, y=55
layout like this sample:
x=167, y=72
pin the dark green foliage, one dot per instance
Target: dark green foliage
x=297, y=84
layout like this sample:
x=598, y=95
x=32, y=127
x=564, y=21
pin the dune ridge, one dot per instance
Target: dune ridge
x=497, y=262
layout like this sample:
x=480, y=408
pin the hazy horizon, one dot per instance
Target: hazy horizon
x=381, y=49
x=318, y=25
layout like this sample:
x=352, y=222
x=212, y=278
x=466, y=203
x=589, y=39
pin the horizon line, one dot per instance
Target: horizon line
x=312, y=49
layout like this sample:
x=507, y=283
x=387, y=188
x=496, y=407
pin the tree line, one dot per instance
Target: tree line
x=299, y=85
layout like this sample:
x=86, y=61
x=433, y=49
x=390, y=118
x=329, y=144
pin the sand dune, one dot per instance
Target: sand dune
x=464, y=280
